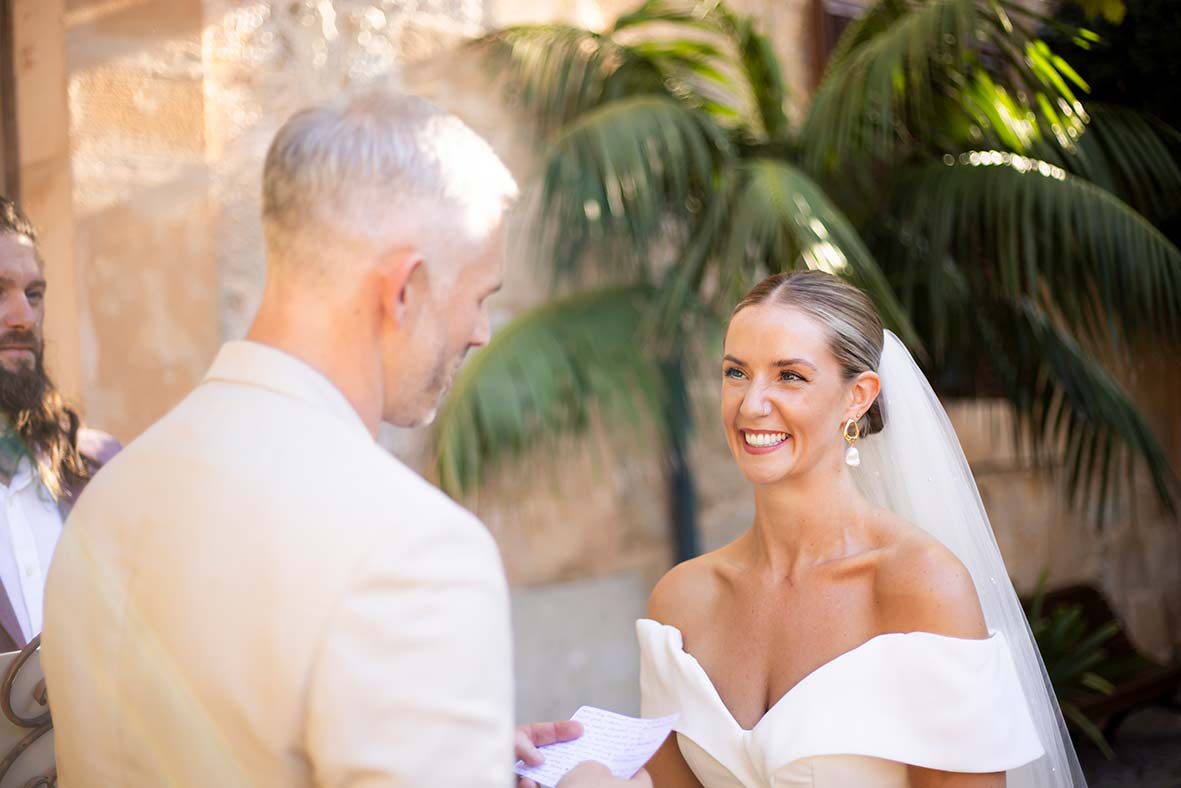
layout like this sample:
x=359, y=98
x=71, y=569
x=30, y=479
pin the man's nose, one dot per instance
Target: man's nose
x=482, y=333
x=18, y=312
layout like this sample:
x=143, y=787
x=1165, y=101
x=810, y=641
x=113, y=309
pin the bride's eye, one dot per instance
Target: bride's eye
x=792, y=377
x=734, y=373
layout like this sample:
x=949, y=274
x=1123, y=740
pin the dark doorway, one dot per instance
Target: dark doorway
x=9, y=160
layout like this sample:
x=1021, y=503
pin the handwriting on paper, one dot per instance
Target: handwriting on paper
x=622, y=744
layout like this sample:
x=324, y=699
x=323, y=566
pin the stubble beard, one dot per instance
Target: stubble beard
x=442, y=380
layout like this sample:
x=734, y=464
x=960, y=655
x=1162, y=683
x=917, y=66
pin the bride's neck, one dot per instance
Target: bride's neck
x=808, y=520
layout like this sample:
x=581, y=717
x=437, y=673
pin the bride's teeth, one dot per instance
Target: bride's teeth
x=765, y=439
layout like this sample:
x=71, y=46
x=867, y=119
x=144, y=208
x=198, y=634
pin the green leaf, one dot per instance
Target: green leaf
x=1097, y=683
x=705, y=15
x=612, y=180
x=558, y=72
x=1089, y=728
x=898, y=77
x=542, y=376
x=1039, y=232
x=1111, y=10
x=1133, y=155
x=780, y=219
x=765, y=79
x=1071, y=403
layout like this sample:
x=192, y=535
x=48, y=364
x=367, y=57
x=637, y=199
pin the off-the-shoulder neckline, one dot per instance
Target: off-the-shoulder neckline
x=840, y=658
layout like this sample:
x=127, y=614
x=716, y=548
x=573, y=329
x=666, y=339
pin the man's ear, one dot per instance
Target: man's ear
x=403, y=281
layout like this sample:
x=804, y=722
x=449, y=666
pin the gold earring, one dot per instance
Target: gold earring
x=852, y=456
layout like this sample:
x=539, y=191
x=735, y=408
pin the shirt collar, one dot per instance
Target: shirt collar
x=24, y=475
x=265, y=367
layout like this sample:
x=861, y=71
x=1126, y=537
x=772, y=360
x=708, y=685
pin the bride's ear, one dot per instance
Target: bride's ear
x=863, y=392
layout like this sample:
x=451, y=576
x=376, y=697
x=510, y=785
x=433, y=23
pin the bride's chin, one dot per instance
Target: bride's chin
x=764, y=476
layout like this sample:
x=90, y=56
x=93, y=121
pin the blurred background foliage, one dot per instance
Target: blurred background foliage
x=1004, y=213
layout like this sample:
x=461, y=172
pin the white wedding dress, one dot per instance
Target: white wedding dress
x=953, y=704
x=856, y=721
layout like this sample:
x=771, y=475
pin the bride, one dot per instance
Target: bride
x=863, y=632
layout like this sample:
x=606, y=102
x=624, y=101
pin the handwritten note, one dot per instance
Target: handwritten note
x=622, y=744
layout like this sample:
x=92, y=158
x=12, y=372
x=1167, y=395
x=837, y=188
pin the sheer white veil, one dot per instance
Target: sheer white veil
x=915, y=468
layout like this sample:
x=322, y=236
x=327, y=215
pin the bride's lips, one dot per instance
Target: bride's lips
x=764, y=441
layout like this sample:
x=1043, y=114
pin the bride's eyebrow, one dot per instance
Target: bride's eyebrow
x=733, y=360
x=792, y=362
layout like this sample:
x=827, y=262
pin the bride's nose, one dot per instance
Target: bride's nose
x=755, y=404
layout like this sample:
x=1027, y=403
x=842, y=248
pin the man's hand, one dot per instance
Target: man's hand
x=539, y=734
x=590, y=774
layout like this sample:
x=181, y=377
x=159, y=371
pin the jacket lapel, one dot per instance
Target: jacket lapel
x=11, y=637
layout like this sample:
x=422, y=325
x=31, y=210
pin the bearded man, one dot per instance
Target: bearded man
x=46, y=458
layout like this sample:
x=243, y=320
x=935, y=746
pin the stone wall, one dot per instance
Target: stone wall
x=147, y=183
x=142, y=210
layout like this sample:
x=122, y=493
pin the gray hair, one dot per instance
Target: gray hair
x=384, y=168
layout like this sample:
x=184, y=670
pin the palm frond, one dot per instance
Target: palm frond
x=542, y=376
x=764, y=77
x=1134, y=155
x=1073, y=404
x=558, y=72
x=778, y=218
x=708, y=15
x=905, y=71
x=1031, y=229
x=702, y=75
x=876, y=20
x=612, y=179
x=749, y=58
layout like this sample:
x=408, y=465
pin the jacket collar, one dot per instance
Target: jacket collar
x=262, y=366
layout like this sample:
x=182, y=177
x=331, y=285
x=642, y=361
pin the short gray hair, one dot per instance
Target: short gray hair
x=385, y=168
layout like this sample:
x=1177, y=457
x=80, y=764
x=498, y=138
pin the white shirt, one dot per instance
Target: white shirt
x=31, y=527
x=254, y=593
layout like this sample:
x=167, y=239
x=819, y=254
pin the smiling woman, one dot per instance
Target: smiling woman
x=863, y=630
x=779, y=397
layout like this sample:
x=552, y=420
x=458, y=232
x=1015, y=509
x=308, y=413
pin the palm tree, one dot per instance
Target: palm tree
x=946, y=165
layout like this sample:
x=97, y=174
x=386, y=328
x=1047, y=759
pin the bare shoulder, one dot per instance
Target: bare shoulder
x=922, y=586
x=686, y=592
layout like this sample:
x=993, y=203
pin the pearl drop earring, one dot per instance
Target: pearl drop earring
x=852, y=456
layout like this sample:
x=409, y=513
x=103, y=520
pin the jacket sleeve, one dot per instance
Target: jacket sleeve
x=412, y=683
x=97, y=447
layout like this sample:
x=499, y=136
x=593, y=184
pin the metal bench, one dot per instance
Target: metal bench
x=25, y=703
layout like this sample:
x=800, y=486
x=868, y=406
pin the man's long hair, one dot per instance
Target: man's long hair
x=34, y=408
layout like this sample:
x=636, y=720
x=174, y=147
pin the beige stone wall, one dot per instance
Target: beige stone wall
x=141, y=206
x=146, y=183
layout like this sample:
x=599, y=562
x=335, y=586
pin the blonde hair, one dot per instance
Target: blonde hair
x=855, y=333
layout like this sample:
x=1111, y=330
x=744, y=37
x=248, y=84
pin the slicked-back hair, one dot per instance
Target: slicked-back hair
x=853, y=326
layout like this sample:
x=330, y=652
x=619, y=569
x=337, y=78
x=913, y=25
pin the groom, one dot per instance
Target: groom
x=254, y=593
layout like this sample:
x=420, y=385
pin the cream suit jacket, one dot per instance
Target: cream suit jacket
x=254, y=593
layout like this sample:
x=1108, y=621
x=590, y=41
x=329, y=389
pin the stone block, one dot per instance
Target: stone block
x=149, y=303
x=42, y=117
x=575, y=645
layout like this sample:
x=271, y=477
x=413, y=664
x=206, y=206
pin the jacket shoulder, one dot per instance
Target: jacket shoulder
x=96, y=446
